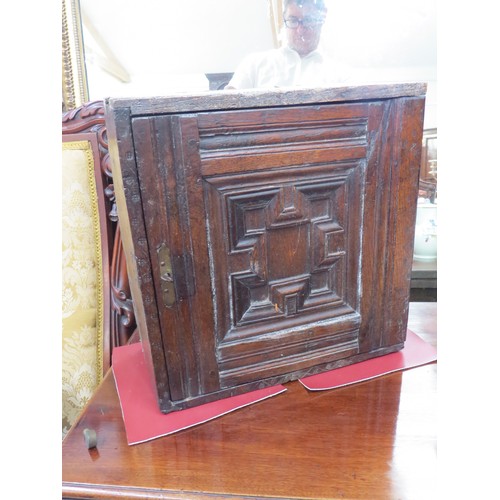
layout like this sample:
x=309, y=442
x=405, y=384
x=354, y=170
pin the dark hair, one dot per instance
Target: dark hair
x=319, y=4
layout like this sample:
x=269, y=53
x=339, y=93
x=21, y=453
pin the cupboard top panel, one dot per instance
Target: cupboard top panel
x=238, y=99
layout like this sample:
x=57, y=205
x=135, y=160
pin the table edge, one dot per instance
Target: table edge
x=72, y=491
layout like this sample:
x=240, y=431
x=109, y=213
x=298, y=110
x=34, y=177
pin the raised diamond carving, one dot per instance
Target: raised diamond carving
x=296, y=244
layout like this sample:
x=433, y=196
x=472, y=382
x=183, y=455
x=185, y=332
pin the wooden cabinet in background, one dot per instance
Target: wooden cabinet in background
x=268, y=234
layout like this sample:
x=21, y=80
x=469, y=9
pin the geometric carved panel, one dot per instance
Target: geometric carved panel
x=288, y=247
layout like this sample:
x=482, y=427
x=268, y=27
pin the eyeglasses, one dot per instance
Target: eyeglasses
x=307, y=22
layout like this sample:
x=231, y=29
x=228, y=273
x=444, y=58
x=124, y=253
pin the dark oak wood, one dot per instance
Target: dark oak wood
x=372, y=440
x=255, y=98
x=87, y=123
x=269, y=235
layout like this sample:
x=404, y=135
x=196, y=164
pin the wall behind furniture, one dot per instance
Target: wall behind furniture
x=167, y=46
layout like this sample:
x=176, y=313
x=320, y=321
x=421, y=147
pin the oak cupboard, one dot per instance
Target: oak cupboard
x=268, y=234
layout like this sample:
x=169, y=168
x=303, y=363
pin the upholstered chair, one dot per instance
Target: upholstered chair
x=97, y=311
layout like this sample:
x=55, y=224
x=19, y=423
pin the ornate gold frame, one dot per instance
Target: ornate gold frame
x=74, y=76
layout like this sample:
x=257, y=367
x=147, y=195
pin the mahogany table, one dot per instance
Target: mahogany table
x=375, y=439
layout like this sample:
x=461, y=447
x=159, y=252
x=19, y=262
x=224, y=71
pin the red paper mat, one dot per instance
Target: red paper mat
x=416, y=352
x=141, y=415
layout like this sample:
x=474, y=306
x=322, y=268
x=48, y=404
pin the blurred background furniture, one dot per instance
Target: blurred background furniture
x=423, y=281
x=97, y=311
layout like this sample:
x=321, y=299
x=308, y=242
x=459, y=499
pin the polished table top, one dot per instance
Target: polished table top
x=375, y=439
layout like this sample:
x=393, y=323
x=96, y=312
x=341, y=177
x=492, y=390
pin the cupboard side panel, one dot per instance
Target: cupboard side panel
x=404, y=189
x=135, y=246
x=390, y=210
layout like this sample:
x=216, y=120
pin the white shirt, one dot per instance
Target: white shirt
x=284, y=67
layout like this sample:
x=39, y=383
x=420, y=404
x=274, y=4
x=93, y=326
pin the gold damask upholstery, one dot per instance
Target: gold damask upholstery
x=97, y=309
x=82, y=281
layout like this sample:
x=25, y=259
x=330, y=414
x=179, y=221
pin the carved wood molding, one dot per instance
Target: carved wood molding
x=83, y=118
x=123, y=316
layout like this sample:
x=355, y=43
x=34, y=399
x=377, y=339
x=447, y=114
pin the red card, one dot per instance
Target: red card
x=416, y=352
x=144, y=421
x=141, y=415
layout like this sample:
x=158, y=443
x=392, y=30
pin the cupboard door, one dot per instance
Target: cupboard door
x=265, y=229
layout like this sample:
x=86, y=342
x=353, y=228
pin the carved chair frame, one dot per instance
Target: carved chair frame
x=87, y=123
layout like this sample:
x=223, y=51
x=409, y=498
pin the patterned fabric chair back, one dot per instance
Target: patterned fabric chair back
x=97, y=311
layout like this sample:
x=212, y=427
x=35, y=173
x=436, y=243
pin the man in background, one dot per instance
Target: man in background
x=298, y=62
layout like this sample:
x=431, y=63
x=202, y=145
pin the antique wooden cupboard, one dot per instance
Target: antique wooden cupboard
x=268, y=234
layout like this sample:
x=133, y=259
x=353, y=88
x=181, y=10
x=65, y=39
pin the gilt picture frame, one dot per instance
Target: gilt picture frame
x=74, y=77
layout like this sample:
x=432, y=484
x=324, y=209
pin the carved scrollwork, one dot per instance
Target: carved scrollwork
x=84, y=118
x=121, y=301
x=89, y=118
